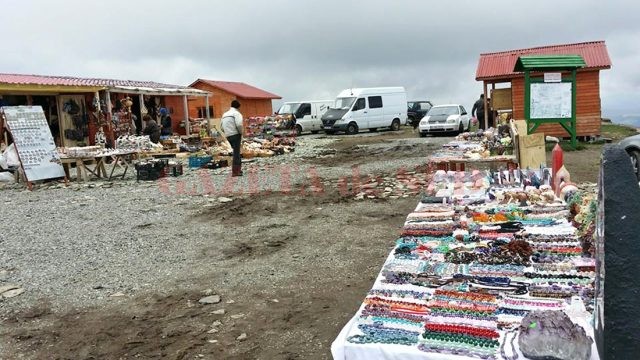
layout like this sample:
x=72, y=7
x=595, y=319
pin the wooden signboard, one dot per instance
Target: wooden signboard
x=530, y=149
x=501, y=99
x=34, y=142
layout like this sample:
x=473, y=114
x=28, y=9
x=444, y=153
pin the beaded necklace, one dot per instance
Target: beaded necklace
x=457, y=349
x=380, y=334
x=401, y=294
x=513, y=348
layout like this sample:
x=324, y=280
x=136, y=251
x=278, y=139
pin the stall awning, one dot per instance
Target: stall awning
x=158, y=91
x=549, y=62
x=22, y=83
x=46, y=89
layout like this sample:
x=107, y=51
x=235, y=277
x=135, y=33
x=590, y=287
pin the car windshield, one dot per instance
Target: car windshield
x=410, y=105
x=288, y=108
x=344, y=103
x=443, y=110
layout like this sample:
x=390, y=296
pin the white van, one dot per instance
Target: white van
x=306, y=113
x=367, y=108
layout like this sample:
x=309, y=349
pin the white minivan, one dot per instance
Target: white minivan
x=367, y=108
x=306, y=113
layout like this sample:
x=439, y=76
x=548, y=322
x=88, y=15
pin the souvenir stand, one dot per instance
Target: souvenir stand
x=492, y=148
x=487, y=266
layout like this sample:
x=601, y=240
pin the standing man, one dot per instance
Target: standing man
x=478, y=111
x=233, y=127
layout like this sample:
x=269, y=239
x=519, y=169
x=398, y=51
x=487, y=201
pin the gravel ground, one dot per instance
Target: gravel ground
x=77, y=246
x=119, y=244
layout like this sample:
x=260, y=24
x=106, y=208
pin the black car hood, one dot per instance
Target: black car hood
x=334, y=114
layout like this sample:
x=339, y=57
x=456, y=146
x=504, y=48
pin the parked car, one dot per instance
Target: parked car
x=444, y=118
x=367, y=108
x=632, y=146
x=306, y=113
x=416, y=110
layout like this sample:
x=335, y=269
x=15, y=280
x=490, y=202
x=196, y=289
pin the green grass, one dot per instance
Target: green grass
x=566, y=146
x=617, y=132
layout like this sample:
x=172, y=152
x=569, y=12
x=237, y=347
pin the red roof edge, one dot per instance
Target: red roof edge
x=239, y=89
x=499, y=65
x=544, y=47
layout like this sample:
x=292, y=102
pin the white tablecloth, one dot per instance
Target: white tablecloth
x=341, y=349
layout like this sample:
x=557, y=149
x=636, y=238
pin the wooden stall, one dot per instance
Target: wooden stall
x=497, y=70
x=253, y=101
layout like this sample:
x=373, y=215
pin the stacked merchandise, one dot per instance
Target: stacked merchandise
x=89, y=152
x=264, y=148
x=491, y=144
x=137, y=143
x=465, y=273
x=267, y=126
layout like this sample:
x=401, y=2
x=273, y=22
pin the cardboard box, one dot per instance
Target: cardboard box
x=529, y=149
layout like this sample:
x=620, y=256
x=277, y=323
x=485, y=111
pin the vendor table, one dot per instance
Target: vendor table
x=419, y=289
x=82, y=166
x=160, y=155
x=461, y=163
x=122, y=160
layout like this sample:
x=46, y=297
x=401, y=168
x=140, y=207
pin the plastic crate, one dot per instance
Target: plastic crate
x=198, y=161
x=150, y=175
x=216, y=164
x=174, y=169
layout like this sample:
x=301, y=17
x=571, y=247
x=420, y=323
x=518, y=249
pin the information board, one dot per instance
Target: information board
x=501, y=99
x=551, y=101
x=34, y=142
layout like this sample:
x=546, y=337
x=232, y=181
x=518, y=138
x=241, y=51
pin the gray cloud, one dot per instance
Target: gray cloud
x=313, y=49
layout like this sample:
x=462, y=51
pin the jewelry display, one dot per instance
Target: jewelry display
x=462, y=277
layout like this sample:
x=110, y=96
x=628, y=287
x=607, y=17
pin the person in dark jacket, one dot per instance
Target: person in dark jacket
x=478, y=111
x=165, y=121
x=151, y=128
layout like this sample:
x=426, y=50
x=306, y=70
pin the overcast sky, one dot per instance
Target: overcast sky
x=302, y=49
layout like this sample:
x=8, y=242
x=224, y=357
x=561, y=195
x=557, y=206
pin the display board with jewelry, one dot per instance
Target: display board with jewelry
x=464, y=276
x=33, y=141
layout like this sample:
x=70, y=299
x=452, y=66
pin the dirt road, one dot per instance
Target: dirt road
x=290, y=271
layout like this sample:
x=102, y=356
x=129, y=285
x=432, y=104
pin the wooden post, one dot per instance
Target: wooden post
x=186, y=115
x=109, y=109
x=206, y=102
x=494, y=116
x=574, y=125
x=63, y=139
x=141, y=99
x=486, y=111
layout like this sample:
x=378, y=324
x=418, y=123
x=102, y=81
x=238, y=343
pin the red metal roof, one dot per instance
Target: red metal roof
x=500, y=64
x=239, y=89
x=19, y=79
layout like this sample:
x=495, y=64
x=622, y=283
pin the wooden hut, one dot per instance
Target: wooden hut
x=498, y=69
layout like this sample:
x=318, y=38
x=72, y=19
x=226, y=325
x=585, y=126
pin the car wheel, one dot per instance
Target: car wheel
x=314, y=131
x=352, y=128
x=423, y=134
x=329, y=132
x=460, y=128
x=395, y=125
x=635, y=161
x=373, y=129
x=298, y=130
x=411, y=120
